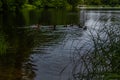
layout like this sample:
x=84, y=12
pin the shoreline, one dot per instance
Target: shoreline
x=95, y=8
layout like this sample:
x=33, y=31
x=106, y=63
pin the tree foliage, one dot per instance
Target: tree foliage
x=102, y=2
x=73, y=2
x=17, y=4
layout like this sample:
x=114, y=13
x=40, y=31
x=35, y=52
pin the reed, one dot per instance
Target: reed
x=102, y=60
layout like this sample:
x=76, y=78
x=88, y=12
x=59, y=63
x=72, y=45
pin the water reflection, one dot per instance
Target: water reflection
x=19, y=45
x=38, y=44
x=17, y=40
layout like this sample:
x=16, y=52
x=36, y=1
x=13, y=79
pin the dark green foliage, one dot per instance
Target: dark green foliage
x=11, y=4
x=94, y=2
x=101, y=2
x=17, y=4
x=0, y=4
x=114, y=3
x=31, y=1
x=4, y=4
x=73, y=2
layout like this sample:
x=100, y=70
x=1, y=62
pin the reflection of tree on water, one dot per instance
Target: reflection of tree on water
x=73, y=17
x=3, y=43
x=11, y=62
x=83, y=18
x=18, y=48
x=45, y=18
x=14, y=63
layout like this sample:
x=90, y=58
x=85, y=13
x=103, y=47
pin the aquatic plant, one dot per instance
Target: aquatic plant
x=102, y=60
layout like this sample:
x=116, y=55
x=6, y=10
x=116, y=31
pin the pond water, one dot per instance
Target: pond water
x=42, y=44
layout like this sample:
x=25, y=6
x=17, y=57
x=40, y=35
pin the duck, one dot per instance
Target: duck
x=84, y=27
x=80, y=26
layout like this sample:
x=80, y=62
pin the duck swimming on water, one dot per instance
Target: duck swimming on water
x=84, y=27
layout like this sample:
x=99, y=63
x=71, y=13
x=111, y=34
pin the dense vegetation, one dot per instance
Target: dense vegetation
x=111, y=3
x=17, y=4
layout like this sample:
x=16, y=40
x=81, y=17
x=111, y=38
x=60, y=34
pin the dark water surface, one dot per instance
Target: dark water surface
x=40, y=44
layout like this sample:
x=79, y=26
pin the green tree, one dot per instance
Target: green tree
x=113, y=2
x=19, y=3
x=105, y=2
x=74, y=3
x=31, y=1
x=37, y=3
x=94, y=2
